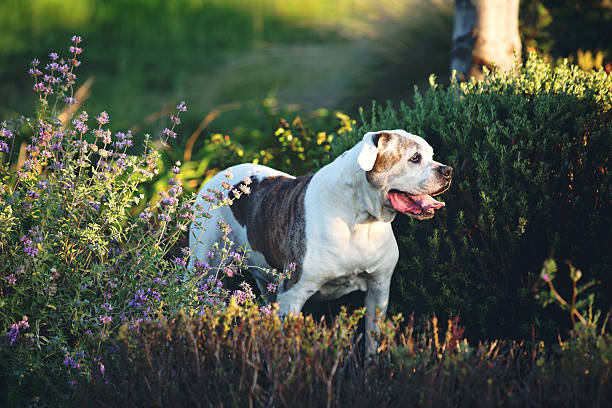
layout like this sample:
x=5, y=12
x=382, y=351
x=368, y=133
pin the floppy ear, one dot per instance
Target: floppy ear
x=369, y=151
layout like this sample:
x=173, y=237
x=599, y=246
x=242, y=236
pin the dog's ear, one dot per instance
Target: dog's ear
x=372, y=142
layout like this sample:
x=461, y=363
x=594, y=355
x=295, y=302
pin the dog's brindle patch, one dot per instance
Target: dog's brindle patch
x=386, y=158
x=274, y=216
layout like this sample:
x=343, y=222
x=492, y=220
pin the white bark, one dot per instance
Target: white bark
x=485, y=34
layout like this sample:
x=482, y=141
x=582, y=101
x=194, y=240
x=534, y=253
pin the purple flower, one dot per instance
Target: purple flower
x=545, y=277
x=34, y=71
x=11, y=279
x=106, y=136
x=202, y=265
x=181, y=106
x=76, y=39
x=75, y=50
x=53, y=56
x=229, y=271
x=35, y=62
x=180, y=261
x=106, y=319
x=272, y=287
x=103, y=118
x=14, y=332
x=68, y=361
x=175, y=119
x=169, y=133
x=70, y=101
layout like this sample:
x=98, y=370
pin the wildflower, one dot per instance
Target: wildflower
x=228, y=174
x=16, y=328
x=266, y=310
x=70, y=101
x=75, y=50
x=54, y=66
x=176, y=169
x=204, y=266
x=76, y=39
x=53, y=56
x=106, y=136
x=106, y=319
x=272, y=287
x=545, y=277
x=11, y=279
x=35, y=62
x=69, y=361
x=210, y=254
x=164, y=217
x=180, y=261
x=229, y=271
x=175, y=119
x=181, y=106
x=169, y=133
x=103, y=118
x=145, y=214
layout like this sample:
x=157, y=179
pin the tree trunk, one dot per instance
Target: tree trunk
x=485, y=34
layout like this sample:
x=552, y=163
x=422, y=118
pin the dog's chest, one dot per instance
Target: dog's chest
x=344, y=252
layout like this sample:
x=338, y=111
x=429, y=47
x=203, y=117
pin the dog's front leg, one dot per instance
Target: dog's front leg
x=376, y=301
x=293, y=299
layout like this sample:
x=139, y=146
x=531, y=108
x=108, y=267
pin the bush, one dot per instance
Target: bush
x=239, y=357
x=81, y=252
x=531, y=154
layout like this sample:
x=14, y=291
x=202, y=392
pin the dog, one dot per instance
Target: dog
x=332, y=227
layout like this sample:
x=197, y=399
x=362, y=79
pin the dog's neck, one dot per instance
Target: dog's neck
x=367, y=202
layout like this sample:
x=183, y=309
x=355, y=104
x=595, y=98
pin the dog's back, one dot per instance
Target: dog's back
x=269, y=219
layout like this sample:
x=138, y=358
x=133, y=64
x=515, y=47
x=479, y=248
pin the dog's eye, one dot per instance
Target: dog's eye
x=416, y=158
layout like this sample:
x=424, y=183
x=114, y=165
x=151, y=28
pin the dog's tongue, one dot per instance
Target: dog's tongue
x=415, y=204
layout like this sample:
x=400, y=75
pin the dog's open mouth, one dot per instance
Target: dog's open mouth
x=423, y=206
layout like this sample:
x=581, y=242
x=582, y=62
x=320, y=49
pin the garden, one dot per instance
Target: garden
x=502, y=299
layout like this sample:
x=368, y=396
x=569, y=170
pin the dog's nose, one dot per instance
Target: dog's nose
x=446, y=171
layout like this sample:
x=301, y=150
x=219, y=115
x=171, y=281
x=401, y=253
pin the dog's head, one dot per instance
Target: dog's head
x=400, y=165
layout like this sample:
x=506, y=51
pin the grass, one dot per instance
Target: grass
x=146, y=54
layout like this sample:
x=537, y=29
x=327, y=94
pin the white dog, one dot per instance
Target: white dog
x=334, y=225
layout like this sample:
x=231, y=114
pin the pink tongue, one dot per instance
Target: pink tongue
x=415, y=204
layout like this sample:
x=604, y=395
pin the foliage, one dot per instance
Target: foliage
x=75, y=263
x=239, y=357
x=563, y=29
x=531, y=156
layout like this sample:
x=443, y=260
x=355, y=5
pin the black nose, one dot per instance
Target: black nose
x=446, y=171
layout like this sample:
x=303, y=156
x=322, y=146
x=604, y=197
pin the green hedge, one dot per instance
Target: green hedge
x=531, y=157
x=239, y=357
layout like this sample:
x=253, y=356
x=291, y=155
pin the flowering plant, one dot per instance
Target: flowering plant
x=80, y=252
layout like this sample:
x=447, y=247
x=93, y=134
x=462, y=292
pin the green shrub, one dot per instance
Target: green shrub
x=531, y=154
x=239, y=357
x=80, y=252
